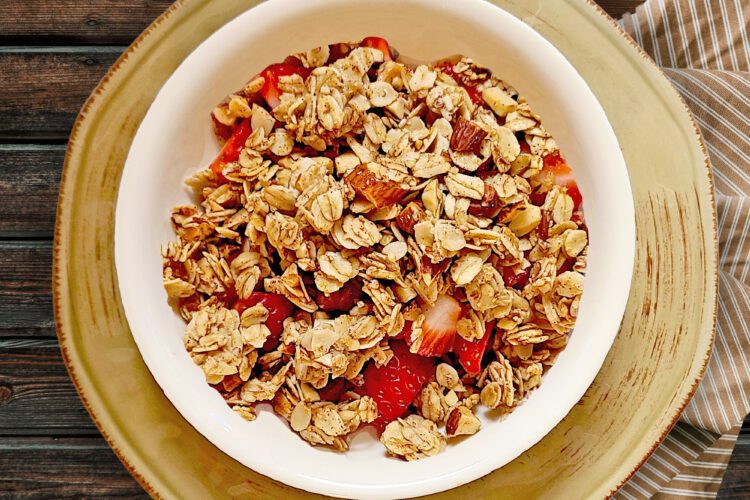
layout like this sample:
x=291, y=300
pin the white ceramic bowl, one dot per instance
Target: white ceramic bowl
x=175, y=140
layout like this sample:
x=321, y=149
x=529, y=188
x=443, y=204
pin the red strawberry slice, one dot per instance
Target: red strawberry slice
x=378, y=43
x=517, y=281
x=578, y=218
x=334, y=390
x=342, y=299
x=279, y=309
x=394, y=386
x=538, y=197
x=270, y=90
x=567, y=265
x=439, y=327
x=555, y=165
x=470, y=353
x=221, y=130
x=337, y=51
x=474, y=93
x=405, y=333
x=231, y=150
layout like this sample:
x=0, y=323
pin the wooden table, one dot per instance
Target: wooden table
x=52, y=54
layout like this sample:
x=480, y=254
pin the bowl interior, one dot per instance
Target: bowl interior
x=175, y=140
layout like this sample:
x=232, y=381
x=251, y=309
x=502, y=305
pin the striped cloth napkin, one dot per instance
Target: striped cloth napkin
x=702, y=46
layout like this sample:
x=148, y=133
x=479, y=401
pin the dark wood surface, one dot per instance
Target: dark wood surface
x=52, y=54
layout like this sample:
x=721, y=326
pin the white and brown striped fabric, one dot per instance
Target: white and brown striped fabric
x=703, y=47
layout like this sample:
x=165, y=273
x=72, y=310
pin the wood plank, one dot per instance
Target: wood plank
x=76, y=21
x=617, y=8
x=44, y=88
x=36, y=395
x=113, y=21
x=29, y=183
x=70, y=467
x=736, y=482
x=26, y=289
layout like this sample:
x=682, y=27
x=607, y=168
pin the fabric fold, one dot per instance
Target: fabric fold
x=703, y=48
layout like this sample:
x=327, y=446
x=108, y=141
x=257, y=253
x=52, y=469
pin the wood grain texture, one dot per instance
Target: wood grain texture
x=76, y=21
x=25, y=289
x=736, y=483
x=617, y=8
x=68, y=467
x=29, y=182
x=43, y=90
x=36, y=396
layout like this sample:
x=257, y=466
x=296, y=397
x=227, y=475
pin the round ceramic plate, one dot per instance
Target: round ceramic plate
x=650, y=373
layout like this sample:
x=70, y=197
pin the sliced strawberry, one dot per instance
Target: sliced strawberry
x=567, y=265
x=228, y=297
x=575, y=193
x=537, y=198
x=513, y=280
x=279, y=309
x=367, y=180
x=556, y=166
x=221, y=130
x=178, y=269
x=405, y=333
x=470, y=353
x=342, y=299
x=191, y=303
x=578, y=218
x=334, y=390
x=231, y=150
x=293, y=61
x=270, y=90
x=378, y=43
x=474, y=93
x=337, y=51
x=394, y=386
x=439, y=327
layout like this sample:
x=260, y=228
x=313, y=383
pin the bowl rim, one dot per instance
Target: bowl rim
x=62, y=309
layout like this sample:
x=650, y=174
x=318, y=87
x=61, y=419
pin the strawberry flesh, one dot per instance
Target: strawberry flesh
x=474, y=93
x=232, y=148
x=279, y=309
x=394, y=386
x=513, y=280
x=334, y=390
x=342, y=299
x=270, y=90
x=378, y=43
x=470, y=353
x=439, y=327
x=556, y=166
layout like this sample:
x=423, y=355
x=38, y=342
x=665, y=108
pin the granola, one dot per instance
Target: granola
x=378, y=243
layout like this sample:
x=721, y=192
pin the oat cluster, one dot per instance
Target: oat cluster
x=388, y=185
